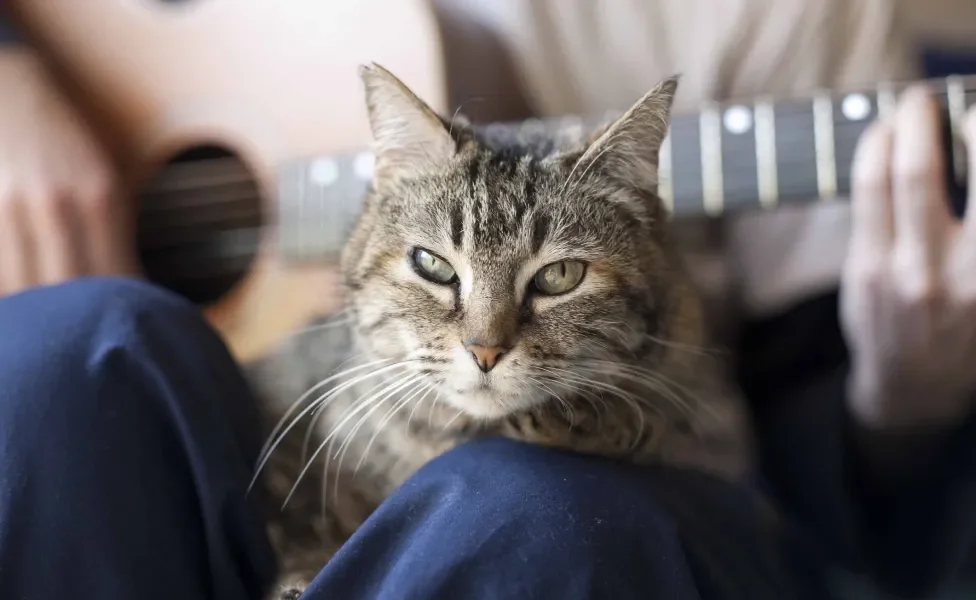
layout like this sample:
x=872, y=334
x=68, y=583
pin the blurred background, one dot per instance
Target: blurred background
x=254, y=103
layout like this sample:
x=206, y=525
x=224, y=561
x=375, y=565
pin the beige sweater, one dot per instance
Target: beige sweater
x=586, y=56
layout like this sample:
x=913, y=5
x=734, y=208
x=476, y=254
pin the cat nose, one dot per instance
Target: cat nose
x=486, y=356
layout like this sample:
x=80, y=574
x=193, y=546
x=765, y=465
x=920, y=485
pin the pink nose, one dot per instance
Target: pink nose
x=486, y=356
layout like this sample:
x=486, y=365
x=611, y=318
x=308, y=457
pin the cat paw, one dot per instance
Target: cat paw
x=288, y=590
x=287, y=593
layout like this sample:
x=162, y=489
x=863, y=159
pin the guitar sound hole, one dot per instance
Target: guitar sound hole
x=199, y=224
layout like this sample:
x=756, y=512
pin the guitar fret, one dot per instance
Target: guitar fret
x=318, y=202
x=823, y=132
x=713, y=189
x=665, y=185
x=767, y=172
x=887, y=100
x=709, y=163
x=956, y=92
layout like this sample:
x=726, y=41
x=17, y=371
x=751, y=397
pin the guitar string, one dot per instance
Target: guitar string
x=211, y=194
x=211, y=190
x=206, y=177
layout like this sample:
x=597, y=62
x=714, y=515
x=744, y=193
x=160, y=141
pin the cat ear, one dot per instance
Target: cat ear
x=628, y=149
x=408, y=136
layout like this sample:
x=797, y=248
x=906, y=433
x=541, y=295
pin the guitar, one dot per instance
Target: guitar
x=208, y=105
x=255, y=237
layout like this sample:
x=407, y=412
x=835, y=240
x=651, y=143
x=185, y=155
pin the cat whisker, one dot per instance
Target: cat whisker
x=309, y=431
x=690, y=348
x=387, y=417
x=278, y=434
x=316, y=408
x=329, y=324
x=325, y=479
x=430, y=411
x=358, y=406
x=410, y=383
x=297, y=403
x=320, y=401
x=451, y=421
x=562, y=403
x=635, y=402
x=648, y=377
x=580, y=392
x=373, y=403
x=654, y=385
x=420, y=401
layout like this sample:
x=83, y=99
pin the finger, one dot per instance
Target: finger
x=108, y=227
x=55, y=243
x=16, y=254
x=969, y=135
x=921, y=211
x=872, y=225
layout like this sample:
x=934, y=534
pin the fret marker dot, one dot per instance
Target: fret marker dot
x=856, y=107
x=324, y=172
x=738, y=119
x=363, y=166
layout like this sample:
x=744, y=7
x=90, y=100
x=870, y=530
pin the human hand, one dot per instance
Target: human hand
x=60, y=215
x=908, y=291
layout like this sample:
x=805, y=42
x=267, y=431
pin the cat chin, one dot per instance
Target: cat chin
x=489, y=405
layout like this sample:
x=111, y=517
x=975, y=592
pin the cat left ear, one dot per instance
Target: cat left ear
x=629, y=148
x=408, y=135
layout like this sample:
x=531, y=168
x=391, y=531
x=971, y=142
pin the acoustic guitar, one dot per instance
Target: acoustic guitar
x=219, y=113
x=251, y=165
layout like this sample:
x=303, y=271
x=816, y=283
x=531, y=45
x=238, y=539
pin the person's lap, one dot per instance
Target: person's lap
x=127, y=437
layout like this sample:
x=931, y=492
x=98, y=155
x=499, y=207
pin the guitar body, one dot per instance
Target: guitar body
x=270, y=82
x=275, y=83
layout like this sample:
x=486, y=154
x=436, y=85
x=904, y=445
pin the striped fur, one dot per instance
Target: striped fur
x=615, y=367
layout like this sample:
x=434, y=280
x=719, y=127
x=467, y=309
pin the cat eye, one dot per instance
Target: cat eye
x=431, y=267
x=559, y=277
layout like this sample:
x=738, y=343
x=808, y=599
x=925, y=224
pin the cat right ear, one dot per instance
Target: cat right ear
x=628, y=149
x=408, y=136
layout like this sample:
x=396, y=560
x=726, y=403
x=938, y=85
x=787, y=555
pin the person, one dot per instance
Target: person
x=127, y=434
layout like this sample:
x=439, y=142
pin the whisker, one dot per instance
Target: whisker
x=691, y=348
x=419, y=402
x=580, y=392
x=330, y=324
x=358, y=406
x=656, y=386
x=316, y=406
x=386, y=418
x=325, y=398
x=562, y=403
x=294, y=406
x=451, y=422
x=660, y=382
x=632, y=400
x=376, y=404
x=320, y=411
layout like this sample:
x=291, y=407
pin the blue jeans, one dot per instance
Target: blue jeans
x=128, y=438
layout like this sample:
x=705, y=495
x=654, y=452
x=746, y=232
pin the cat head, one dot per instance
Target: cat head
x=510, y=278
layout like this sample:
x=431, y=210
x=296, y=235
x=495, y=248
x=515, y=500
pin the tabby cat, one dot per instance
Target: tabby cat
x=501, y=280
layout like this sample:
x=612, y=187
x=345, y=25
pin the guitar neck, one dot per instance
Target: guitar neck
x=727, y=157
x=765, y=154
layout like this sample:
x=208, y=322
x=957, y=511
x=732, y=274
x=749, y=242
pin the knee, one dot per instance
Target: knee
x=579, y=499
x=526, y=505
x=67, y=350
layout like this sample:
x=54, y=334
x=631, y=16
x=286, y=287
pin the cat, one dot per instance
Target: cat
x=500, y=280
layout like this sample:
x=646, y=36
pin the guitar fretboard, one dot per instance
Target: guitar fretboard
x=728, y=157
